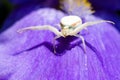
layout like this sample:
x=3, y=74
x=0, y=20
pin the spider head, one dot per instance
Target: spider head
x=69, y=23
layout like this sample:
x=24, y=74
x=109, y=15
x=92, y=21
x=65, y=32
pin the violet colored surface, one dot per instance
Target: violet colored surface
x=20, y=3
x=29, y=56
x=109, y=5
x=112, y=16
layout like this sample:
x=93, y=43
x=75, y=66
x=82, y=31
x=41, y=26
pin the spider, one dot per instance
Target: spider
x=70, y=26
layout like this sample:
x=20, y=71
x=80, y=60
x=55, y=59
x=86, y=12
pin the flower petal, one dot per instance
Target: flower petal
x=29, y=56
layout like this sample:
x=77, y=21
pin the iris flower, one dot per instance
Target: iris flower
x=30, y=56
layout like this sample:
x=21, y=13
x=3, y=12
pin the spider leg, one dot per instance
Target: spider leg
x=54, y=43
x=83, y=42
x=45, y=27
x=85, y=25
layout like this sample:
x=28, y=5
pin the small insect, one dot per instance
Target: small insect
x=70, y=26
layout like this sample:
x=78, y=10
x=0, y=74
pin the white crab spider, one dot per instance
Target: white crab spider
x=70, y=26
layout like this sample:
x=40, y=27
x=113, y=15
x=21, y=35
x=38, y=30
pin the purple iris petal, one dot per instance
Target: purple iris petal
x=29, y=56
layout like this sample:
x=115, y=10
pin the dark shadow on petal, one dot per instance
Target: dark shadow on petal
x=5, y=76
x=97, y=53
x=63, y=45
x=107, y=72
